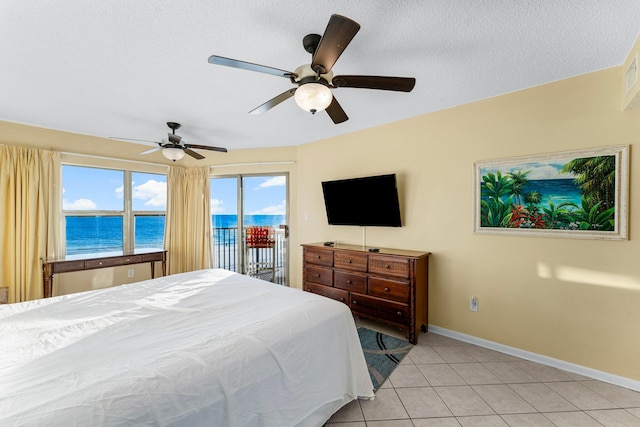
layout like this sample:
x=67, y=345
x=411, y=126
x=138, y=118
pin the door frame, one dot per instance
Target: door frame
x=241, y=243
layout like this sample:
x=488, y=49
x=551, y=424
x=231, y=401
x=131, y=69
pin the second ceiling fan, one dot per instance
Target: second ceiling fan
x=314, y=81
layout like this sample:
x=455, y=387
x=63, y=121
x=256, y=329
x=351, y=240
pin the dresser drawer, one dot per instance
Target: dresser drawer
x=319, y=275
x=389, y=289
x=389, y=265
x=318, y=256
x=379, y=308
x=350, y=261
x=333, y=293
x=353, y=282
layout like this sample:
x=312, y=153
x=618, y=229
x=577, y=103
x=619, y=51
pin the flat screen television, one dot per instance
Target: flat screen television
x=366, y=201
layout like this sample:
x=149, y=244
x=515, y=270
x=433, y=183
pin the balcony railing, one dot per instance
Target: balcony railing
x=268, y=263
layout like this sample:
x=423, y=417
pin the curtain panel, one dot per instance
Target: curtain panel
x=187, y=236
x=29, y=218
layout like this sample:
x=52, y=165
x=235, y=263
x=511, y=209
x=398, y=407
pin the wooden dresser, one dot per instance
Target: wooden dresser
x=390, y=286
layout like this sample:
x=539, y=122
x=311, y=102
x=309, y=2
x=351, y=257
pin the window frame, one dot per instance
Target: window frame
x=128, y=214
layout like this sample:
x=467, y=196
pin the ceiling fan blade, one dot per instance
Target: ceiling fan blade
x=205, y=147
x=193, y=154
x=174, y=139
x=243, y=65
x=273, y=102
x=400, y=84
x=152, y=150
x=337, y=36
x=132, y=139
x=335, y=111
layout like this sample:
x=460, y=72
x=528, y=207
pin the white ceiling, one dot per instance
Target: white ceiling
x=123, y=68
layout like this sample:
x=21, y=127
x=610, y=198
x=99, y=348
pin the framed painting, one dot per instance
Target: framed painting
x=574, y=194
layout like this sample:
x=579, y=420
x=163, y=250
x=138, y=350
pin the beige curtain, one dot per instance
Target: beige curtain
x=187, y=235
x=29, y=218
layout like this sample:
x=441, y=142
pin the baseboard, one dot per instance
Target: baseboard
x=544, y=360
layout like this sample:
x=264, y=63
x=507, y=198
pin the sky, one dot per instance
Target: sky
x=538, y=170
x=263, y=195
x=102, y=189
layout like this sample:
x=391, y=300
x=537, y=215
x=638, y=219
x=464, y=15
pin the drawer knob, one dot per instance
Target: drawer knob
x=100, y=263
x=127, y=260
x=399, y=313
x=386, y=289
x=319, y=257
x=349, y=261
x=341, y=299
x=354, y=302
x=317, y=275
x=387, y=266
x=348, y=282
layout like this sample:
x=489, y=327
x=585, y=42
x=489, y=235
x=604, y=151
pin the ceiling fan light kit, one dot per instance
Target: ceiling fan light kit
x=315, y=81
x=313, y=97
x=173, y=153
x=172, y=148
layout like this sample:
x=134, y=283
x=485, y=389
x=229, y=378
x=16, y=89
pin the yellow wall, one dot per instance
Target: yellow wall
x=631, y=97
x=108, y=153
x=568, y=318
x=559, y=314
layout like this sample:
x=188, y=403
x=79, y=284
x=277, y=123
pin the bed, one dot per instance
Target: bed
x=209, y=347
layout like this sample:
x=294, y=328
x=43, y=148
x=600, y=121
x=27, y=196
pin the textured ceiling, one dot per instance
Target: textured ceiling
x=123, y=68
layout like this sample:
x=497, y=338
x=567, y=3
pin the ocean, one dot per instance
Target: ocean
x=555, y=190
x=98, y=234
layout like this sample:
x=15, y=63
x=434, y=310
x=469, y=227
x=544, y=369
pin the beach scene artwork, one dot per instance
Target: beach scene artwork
x=579, y=194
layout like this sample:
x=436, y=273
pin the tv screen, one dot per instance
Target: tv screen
x=367, y=201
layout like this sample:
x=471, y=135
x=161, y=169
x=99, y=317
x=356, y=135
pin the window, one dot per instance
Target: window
x=149, y=204
x=112, y=210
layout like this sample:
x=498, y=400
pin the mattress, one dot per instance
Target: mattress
x=209, y=347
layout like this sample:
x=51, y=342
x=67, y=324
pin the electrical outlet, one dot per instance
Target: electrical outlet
x=473, y=304
x=130, y=273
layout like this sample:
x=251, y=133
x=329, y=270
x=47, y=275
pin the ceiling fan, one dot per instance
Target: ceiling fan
x=314, y=81
x=171, y=147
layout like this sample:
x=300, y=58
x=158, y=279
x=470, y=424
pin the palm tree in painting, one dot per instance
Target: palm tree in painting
x=532, y=200
x=518, y=181
x=596, y=177
x=495, y=212
x=496, y=185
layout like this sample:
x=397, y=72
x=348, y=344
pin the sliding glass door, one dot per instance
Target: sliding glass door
x=250, y=225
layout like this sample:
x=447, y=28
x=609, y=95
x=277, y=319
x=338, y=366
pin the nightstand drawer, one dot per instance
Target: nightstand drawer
x=319, y=275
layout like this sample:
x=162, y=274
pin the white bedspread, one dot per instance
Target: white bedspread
x=209, y=348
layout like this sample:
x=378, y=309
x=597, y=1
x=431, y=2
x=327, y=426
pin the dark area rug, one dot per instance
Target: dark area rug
x=383, y=354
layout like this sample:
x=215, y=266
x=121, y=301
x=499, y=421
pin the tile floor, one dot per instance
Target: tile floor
x=444, y=382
